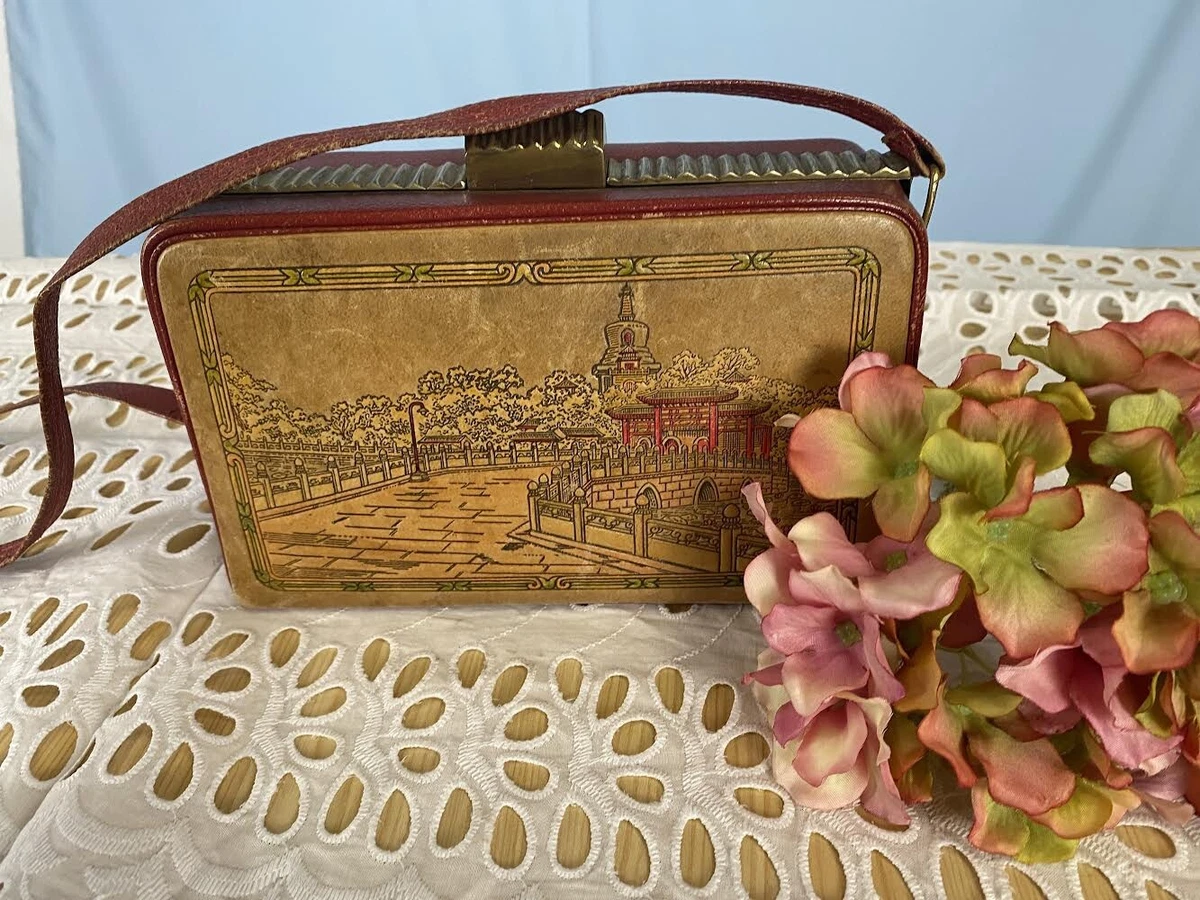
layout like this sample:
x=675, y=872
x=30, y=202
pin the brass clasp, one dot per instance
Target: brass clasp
x=565, y=151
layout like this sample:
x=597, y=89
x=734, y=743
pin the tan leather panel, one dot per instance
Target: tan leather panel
x=721, y=314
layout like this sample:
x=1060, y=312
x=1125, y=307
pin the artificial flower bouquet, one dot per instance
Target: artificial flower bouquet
x=1028, y=618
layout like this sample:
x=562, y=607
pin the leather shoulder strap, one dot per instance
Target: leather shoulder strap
x=158, y=401
x=174, y=197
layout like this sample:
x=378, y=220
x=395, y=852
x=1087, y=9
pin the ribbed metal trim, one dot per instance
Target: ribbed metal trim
x=662, y=170
x=783, y=166
x=301, y=179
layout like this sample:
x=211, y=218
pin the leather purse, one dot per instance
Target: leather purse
x=541, y=368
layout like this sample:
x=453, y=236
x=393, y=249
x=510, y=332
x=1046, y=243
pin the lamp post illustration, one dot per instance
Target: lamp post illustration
x=417, y=473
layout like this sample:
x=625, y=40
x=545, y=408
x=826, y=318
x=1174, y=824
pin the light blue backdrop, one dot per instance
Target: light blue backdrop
x=1072, y=121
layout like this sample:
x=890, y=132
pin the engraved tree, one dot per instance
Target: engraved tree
x=310, y=426
x=732, y=365
x=483, y=405
x=685, y=368
x=729, y=365
x=259, y=414
x=568, y=400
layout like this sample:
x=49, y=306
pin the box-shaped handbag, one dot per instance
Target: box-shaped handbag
x=540, y=368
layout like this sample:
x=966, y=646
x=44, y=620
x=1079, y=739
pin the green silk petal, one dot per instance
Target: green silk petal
x=957, y=536
x=1106, y=551
x=1099, y=356
x=1024, y=427
x=987, y=698
x=996, y=383
x=1056, y=509
x=1044, y=846
x=1149, y=456
x=1151, y=714
x=1086, y=812
x=1161, y=409
x=977, y=467
x=1023, y=607
x=1069, y=399
x=1188, y=460
x=900, y=505
x=1187, y=506
x=1154, y=637
x=1177, y=544
x=938, y=406
x=997, y=828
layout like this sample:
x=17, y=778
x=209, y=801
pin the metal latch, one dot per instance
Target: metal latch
x=565, y=151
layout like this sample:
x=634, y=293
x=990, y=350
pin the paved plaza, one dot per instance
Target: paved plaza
x=456, y=524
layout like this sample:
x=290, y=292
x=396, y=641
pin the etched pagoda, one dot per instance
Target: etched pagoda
x=627, y=355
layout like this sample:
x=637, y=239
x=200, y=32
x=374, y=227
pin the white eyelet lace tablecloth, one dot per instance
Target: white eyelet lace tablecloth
x=156, y=740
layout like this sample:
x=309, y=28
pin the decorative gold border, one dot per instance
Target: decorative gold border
x=859, y=262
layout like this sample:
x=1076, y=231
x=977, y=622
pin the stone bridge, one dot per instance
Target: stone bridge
x=683, y=509
x=682, y=487
x=666, y=480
